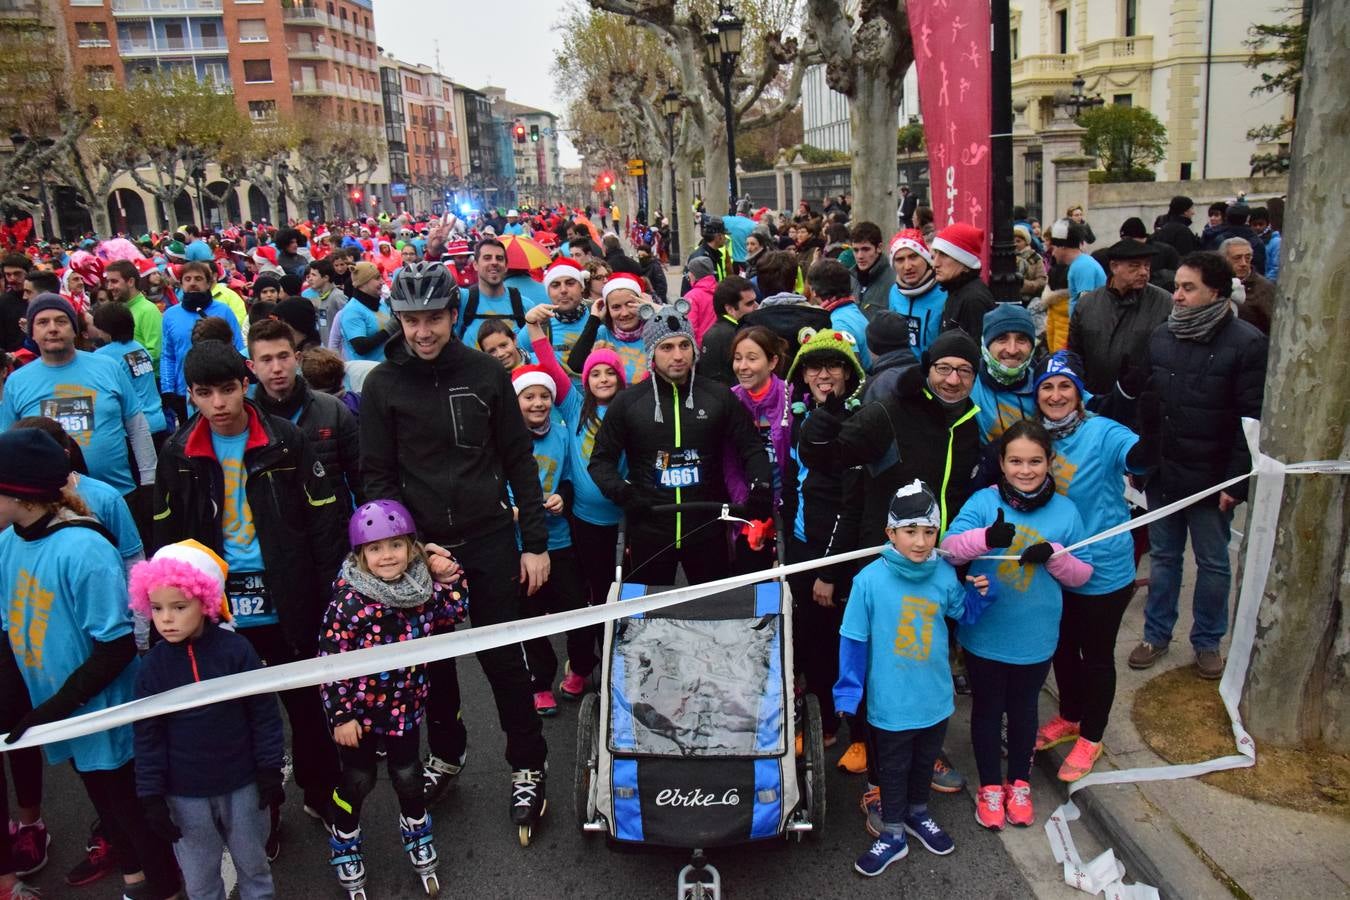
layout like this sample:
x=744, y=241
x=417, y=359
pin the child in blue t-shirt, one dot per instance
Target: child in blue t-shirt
x=893, y=642
x=1008, y=652
x=535, y=392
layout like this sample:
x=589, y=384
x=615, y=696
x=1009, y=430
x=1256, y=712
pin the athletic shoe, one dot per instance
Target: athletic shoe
x=929, y=833
x=544, y=704
x=1058, y=730
x=798, y=745
x=854, y=759
x=961, y=683
x=98, y=861
x=1145, y=655
x=319, y=806
x=884, y=851
x=28, y=846
x=19, y=891
x=1018, y=807
x=573, y=686
x=1210, y=664
x=946, y=780
x=871, y=808
x=1080, y=760
x=989, y=807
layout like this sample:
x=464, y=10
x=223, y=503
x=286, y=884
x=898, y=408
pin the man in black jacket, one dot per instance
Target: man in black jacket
x=734, y=299
x=1175, y=230
x=324, y=419
x=441, y=433
x=13, y=307
x=1235, y=225
x=1208, y=370
x=249, y=486
x=674, y=430
x=956, y=263
x=872, y=273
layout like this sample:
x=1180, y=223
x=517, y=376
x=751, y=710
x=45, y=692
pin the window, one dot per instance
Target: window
x=1131, y=17
x=262, y=110
x=257, y=71
x=92, y=34
x=252, y=31
x=1062, y=29
x=173, y=36
x=1126, y=100
x=1015, y=44
x=210, y=35
x=99, y=78
x=1185, y=171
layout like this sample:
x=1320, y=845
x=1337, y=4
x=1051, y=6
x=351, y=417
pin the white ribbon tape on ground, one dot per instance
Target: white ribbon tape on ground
x=1105, y=874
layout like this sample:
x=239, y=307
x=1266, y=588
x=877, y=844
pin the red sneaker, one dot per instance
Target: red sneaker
x=1020, y=812
x=989, y=807
x=1058, y=730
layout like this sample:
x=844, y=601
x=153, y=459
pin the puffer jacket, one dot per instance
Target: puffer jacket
x=1191, y=412
x=1106, y=327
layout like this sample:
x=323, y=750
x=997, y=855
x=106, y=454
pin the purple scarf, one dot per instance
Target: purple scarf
x=772, y=408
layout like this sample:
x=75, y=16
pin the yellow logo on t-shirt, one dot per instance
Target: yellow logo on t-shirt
x=237, y=521
x=1063, y=472
x=28, y=613
x=1011, y=573
x=914, y=632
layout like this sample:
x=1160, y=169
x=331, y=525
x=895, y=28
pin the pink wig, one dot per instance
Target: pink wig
x=157, y=573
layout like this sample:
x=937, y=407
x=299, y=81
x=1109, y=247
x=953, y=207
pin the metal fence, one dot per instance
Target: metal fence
x=824, y=180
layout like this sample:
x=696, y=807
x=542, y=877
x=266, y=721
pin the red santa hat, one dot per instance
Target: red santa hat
x=911, y=239
x=621, y=281
x=564, y=267
x=963, y=243
x=531, y=376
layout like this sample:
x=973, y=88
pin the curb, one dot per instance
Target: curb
x=1154, y=849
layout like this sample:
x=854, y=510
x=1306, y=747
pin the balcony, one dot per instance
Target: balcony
x=307, y=15
x=1119, y=52
x=132, y=48
x=319, y=87
x=141, y=8
x=314, y=50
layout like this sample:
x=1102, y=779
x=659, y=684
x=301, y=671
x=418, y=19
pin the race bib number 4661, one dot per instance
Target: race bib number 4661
x=678, y=468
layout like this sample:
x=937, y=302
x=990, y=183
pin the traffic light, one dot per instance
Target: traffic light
x=520, y=133
x=356, y=195
x=534, y=133
x=607, y=180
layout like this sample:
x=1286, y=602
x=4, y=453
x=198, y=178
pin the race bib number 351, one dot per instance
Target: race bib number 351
x=75, y=414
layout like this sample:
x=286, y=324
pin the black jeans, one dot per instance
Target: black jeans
x=594, y=545
x=312, y=749
x=1085, y=660
x=904, y=764
x=815, y=634
x=492, y=565
x=404, y=764
x=651, y=561
x=564, y=590
x=135, y=846
x=998, y=689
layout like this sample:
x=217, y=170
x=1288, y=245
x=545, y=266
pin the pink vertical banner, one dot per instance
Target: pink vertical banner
x=951, y=50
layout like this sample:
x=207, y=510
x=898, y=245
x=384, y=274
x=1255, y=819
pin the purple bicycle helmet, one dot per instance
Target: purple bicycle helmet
x=377, y=520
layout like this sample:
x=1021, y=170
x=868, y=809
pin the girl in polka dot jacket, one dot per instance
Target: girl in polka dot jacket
x=384, y=594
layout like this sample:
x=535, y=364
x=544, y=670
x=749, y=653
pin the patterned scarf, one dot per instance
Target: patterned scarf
x=412, y=589
x=917, y=290
x=999, y=372
x=1024, y=502
x=1198, y=323
x=1065, y=426
x=569, y=316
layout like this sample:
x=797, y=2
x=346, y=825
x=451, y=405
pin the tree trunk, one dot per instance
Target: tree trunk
x=715, y=164
x=1297, y=691
x=98, y=215
x=872, y=114
x=683, y=205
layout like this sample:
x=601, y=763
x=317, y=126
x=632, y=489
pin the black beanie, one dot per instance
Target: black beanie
x=300, y=314
x=33, y=466
x=292, y=285
x=953, y=342
x=44, y=302
x=887, y=331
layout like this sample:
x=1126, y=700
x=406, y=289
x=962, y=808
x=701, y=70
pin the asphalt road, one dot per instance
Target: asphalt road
x=481, y=856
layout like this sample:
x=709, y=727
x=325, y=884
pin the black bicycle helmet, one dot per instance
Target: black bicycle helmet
x=423, y=287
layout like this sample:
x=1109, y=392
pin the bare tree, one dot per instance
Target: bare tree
x=1298, y=690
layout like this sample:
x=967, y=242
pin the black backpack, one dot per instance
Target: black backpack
x=471, y=310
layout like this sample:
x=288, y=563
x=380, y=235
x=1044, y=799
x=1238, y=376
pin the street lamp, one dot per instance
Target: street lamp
x=1078, y=100
x=1004, y=283
x=723, y=49
x=670, y=105
x=18, y=139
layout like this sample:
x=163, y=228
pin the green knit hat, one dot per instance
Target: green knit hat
x=832, y=342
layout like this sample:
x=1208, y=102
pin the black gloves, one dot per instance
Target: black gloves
x=759, y=505
x=1132, y=379
x=824, y=423
x=106, y=661
x=271, y=793
x=158, y=820
x=1000, y=534
x=1036, y=554
x=638, y=498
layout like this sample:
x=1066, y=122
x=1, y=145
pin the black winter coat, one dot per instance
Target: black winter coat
x=1176, y=233
x=968, y=299
x=714, y=360
x=332, y=432
x=445, y=438
x=896, y=438
x=717, y=420
x=872, y=287
x=1106, y=327
x=301, y=531
x=1191, y=411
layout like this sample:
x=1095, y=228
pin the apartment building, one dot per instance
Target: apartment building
x=421, y=130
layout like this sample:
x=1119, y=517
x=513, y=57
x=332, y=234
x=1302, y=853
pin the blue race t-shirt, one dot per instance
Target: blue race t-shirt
x=112, y=511
x=553, y=458
x=633, y=354
x=923, y=315
x=897, y=607
x=142, y=370
x=850, y=319
x=1088, y=469
x=491, y=307
x=92, y=397
x=1000, y=407
x=1023, y=627
x=531, y=291
x=1085, y=274
x=358, y=321
x=589, y=504
x=249, y=607
x=62, y=593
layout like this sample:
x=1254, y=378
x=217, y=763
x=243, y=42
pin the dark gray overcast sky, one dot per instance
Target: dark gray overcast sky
x=509, y=43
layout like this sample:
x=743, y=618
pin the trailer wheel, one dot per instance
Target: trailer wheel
x=813, y=768
x=588, y=736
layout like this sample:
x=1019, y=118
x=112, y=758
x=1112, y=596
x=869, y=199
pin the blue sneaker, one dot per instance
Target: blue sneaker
x=929, y=833
x=885, y=850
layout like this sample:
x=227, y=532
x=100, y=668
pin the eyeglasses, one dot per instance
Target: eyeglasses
x=816, y=368
x=944, y=371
